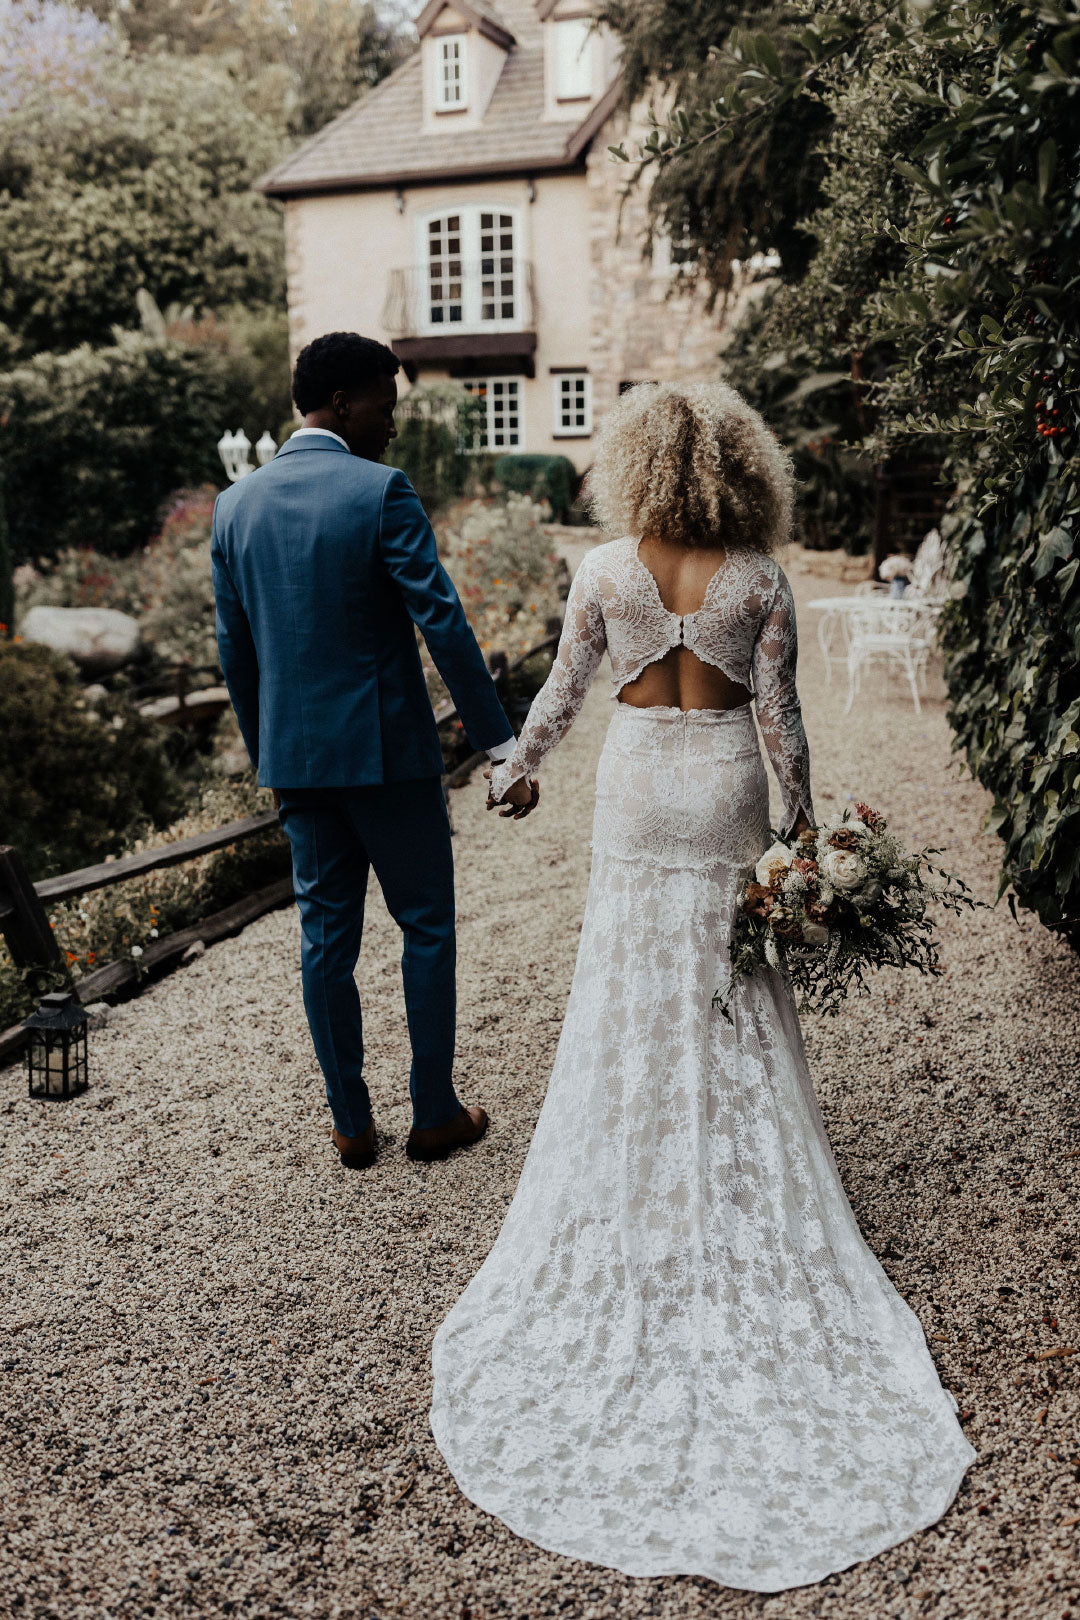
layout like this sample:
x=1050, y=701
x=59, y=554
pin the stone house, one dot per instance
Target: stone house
x=467, y=212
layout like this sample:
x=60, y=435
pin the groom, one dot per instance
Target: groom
x=323, y=561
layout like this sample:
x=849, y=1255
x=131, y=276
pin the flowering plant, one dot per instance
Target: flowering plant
x=836, y=903
x=895, y=567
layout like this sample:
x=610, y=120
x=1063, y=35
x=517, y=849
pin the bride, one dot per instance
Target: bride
x=680, y=1357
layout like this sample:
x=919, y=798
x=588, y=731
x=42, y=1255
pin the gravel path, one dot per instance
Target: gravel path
x=215, y=1347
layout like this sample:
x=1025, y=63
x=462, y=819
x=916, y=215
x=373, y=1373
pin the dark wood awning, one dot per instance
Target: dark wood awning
x=465, y=353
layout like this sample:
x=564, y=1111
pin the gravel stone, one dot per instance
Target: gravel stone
x=215, y=1341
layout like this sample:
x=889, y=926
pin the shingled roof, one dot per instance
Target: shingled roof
x=381, y=141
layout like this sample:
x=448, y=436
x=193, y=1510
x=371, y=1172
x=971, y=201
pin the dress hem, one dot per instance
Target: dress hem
x=654, y=1572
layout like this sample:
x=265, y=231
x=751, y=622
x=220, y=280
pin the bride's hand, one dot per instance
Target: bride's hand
x=520, y=798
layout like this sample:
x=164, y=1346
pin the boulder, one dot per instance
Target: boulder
x=99, y=640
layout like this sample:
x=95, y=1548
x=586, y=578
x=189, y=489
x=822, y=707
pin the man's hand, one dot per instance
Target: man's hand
x=520, y=798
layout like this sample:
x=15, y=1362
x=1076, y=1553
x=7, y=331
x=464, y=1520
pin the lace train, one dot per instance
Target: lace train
x=680, y=1356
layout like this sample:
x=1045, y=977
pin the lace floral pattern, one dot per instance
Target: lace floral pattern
x=680, y=1356
x=745, y=627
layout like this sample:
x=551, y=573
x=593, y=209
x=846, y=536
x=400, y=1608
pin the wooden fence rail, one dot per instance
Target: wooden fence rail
x=24, y=922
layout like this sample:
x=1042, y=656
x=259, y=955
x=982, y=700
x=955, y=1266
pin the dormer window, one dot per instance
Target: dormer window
x=450, y=73
x=573, y=59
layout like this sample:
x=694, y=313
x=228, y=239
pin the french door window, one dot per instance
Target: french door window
x=503, y=418
x=472, y=270
x=573, y=404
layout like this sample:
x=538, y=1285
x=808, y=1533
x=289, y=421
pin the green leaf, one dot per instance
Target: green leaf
x=1047, y=164
x=1053, y=547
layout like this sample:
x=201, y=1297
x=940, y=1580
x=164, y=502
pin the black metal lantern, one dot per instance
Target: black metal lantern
x=56, y=1057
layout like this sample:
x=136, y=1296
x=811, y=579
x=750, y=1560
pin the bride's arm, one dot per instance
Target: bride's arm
x=556, y=705
x=778, y=709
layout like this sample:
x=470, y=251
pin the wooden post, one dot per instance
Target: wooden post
x=23, y=920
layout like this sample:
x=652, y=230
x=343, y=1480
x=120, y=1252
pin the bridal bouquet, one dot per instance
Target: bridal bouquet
x=834, y=904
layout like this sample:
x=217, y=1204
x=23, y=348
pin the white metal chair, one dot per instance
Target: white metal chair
x=897, y=633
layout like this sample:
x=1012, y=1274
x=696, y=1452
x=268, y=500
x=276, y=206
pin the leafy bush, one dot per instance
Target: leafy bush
x=176, y=586
x=167, y=585
x=112, y=923
x=543, y=478
x=509, y=579
x=75, y=780
x=437, y=424
x=144, y=179
x=947, y=241
x=96, y=439
x=811, y=405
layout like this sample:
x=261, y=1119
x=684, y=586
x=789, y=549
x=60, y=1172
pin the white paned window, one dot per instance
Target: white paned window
x=573, y=59
x=502, y=398
x=573, y=404
x=472, y=276
x=445, y=275
x=450, y=72
x=498, y=298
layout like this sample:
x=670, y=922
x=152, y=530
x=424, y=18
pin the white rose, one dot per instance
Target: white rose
x=815, y=934
x=778, y=858
x=843, y=868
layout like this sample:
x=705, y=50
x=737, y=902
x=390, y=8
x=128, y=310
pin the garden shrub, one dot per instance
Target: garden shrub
x=510, y=581
x=76, y=780
x=943, y=279
x=120, y=921
x=543, y=478
x=94, y=440
x=167, y=586
x=437, y=426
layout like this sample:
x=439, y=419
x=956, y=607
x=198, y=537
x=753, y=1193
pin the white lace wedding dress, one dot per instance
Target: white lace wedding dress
x=680, y=1356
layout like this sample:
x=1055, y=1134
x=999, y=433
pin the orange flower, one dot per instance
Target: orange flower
x=91, y=956
x=72, y=956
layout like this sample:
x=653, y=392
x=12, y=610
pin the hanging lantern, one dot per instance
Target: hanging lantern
x=56, y=1057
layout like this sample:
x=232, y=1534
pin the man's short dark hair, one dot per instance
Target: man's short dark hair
x=339, y=360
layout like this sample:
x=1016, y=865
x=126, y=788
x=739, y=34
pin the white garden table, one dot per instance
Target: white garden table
x=837, y=613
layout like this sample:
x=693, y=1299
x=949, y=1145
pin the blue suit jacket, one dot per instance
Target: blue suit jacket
x=322, y=563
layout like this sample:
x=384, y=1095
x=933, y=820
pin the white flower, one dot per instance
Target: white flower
x=153, y=933
x=772, y=955
x=136, y=951
x=777, y=858
x=843, y=868
x=815, y=934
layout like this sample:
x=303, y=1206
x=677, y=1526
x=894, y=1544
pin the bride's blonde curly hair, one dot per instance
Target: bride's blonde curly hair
x=692, y=463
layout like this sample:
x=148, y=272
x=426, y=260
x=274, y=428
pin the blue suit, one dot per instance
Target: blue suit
x=322, y=564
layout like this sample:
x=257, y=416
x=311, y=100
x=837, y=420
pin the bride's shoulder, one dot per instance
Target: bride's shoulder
x=607, y=559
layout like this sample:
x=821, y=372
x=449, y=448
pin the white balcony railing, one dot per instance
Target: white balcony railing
x=492, y=294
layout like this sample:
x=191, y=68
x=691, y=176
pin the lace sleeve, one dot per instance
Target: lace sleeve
x=556, y=705
x=778, y=709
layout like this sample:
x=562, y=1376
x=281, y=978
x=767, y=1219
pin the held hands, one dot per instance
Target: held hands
x=520, y=798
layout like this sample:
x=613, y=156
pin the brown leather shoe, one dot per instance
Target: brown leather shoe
x=439, y=1140
x=357, y=1152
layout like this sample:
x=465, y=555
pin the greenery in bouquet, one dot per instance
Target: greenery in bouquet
x=835, y=904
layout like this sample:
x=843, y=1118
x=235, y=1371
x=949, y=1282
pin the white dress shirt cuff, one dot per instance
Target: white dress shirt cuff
x=502, y=750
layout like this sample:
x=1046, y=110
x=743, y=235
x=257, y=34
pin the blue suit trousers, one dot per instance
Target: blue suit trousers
x=400, y=830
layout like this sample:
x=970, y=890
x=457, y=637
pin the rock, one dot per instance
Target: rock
x=98, y=1014
x=193, y=952
x=98, y=639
